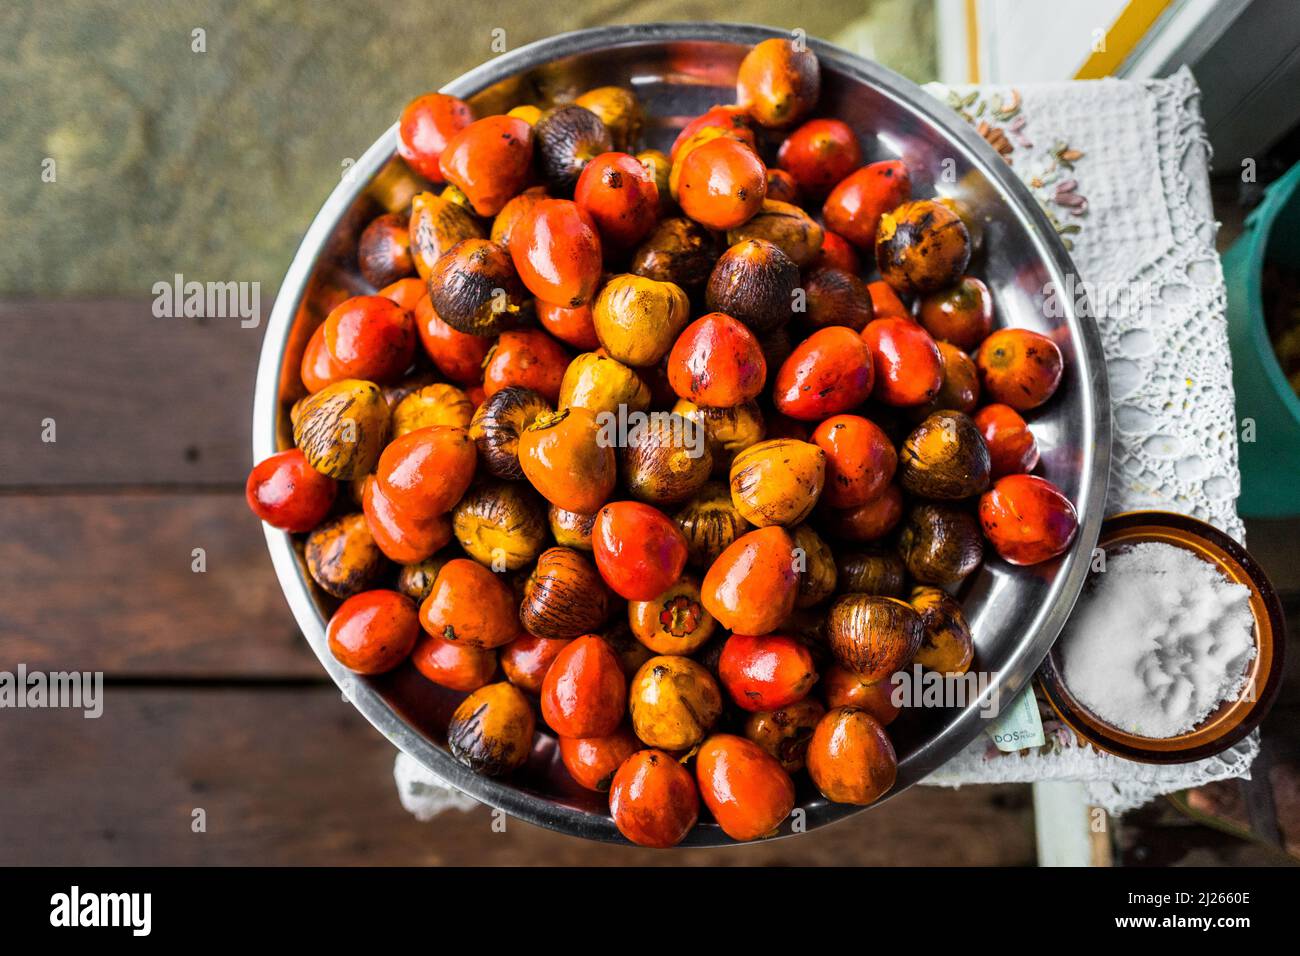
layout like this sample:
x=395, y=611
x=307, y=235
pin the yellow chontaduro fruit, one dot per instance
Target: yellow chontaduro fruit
x=777, y=482
x=437, y=224
x=529, y=114
x=674, y=701
x=599, y=383
x=730, y=430
x=501, y=524
x=342, y=428
x=787, y=227
x=342, y=556
x=438, y=404
x=492, y=730
x=620, y=111
x=947, y=646
x=638, y=319
x=922, y=246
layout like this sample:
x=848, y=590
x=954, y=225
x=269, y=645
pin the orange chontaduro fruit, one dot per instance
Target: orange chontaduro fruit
x=584, y=692
x=752, y=585
x=426, y=124
x=850, y=758
x=744, y=787
x=556, y=250
x=722, y=184
x=653, y=800
x=374, y=631
x=778, y=82
x=1027, y=519
x=469, y=604
x=489, y=161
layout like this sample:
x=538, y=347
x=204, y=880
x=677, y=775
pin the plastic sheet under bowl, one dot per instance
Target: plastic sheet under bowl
x=678, y=71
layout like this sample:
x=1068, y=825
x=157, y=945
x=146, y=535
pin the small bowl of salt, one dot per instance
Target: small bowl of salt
x=1173, y=652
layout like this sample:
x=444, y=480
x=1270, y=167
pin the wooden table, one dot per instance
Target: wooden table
x=213, y=700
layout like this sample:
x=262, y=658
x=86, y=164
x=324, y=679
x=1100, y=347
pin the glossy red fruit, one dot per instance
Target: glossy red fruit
x=374, y=631
x=619, y=195
x=584, y=693
x=855, y=205
x=1019, y=368
x=836, y=252
x=287, y=493
x=406, y=292
x=528, y=657
x=593, y=761
x=871, y=520
x=469, y=604
x=426, y=123
x=406, y=538
x=766, y=672
x=369, y=337
x=909, y=367
x=1012, y=446
x=528, y=358
x=752, y=586
x=653, y=800
x=556, y=250
x=962, y=314
x=425, y=472
x=576, y=327
x=819, y=154
x=454, y=664
x=722, y=184
x=457, y=355
x=639, y=551
x=717, y=361
x=829, y=372
x=744, y=787
x=860, y=460
x=318, y=368
x=490, y=161
x=733, y=121
x=1027, y=519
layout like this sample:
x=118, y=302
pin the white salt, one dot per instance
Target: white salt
x=1158, y=641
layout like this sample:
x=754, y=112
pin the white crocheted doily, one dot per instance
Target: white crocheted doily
x=1122, y=168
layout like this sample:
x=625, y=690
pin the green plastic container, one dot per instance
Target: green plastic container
x=1270, y=464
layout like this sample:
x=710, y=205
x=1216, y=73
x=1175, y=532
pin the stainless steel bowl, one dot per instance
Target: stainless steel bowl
x=679, y=70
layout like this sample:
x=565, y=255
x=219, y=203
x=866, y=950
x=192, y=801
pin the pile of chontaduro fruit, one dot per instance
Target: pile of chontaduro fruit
x=631, y=441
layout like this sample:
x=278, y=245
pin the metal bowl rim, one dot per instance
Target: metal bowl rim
x=1062, y=593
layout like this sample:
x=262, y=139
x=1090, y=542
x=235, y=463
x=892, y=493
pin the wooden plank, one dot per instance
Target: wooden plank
x=296, y=776
x=135, y=399
x=105, y=582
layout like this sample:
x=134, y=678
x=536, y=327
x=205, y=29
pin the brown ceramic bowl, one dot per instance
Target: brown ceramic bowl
x=1234, y=719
